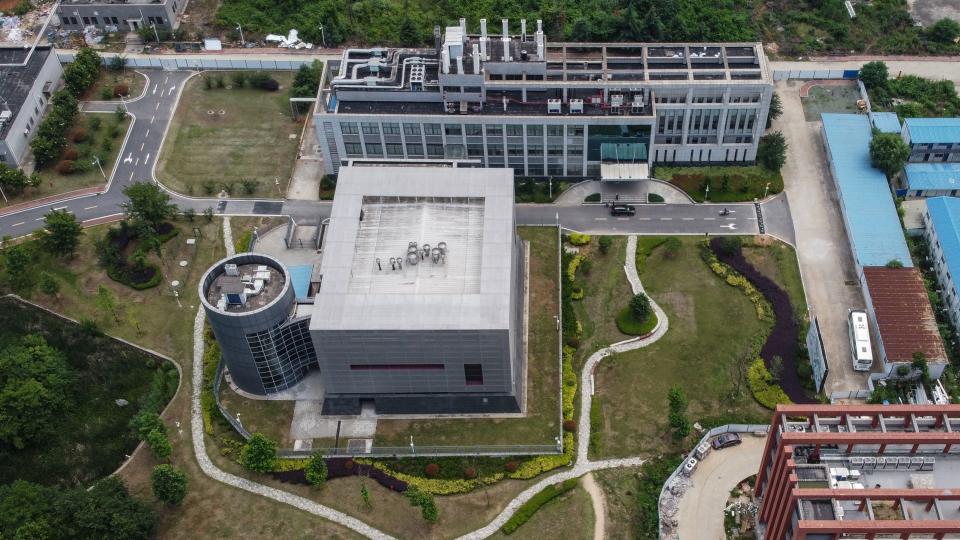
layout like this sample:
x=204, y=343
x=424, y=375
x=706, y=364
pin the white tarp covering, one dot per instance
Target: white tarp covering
x=212, y=44
x=624, y=171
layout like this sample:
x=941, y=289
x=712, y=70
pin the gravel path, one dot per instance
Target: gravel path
x=582, y=466
x=599, y=506
x=228, y=236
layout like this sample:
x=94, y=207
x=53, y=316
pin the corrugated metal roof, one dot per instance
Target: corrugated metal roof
x=886, y=122
x=945, y=219
x=872, y=222
x=904, y=316
x=941, y=176
x=933, y=130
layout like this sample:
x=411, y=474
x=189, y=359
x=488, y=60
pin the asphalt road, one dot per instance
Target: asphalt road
x=153, y=111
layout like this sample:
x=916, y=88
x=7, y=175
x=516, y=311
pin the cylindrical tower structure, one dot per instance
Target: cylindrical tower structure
x=250, y=304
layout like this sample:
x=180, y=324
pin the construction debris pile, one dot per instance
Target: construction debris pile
x=291, y=41
x=23, y=30
x=670, y=504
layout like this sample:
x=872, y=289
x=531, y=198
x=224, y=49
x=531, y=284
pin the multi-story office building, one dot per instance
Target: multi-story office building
x=543, y=109
x=860, y=472
x=416, y=304
x=28, y=78
x=121, y=15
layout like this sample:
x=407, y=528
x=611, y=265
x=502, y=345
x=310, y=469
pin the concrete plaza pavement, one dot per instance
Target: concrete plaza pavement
x=826, y=263
x=701, y=507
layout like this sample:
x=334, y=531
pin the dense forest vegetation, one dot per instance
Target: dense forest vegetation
x=796, y=27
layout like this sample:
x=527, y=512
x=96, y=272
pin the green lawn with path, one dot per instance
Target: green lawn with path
x=241, y=140
x=108, y=80
x=727, y=183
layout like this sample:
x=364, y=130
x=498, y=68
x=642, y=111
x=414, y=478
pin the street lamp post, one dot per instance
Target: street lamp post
x=323, y=38
x=707, y=195
x=96, y=161
x=243, y=43
x=155, y=33
x=766, y=189
x=276, y=182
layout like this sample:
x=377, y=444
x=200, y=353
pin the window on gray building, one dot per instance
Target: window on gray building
x=575, y=150
x=353, y=149
x=453, y=130
x=473, y=374
x=514, y=130
x=555, y=149
x=494, y=150
x=435, y=150
x=575, y=131
x=473, y=130
x=475, y=150
x=534, y=131
x=494, y=130
x=514, y=149
x=411, y=129
x=415, y=150
x=394, y=149
x=391, y=129
x=554, y=131
x=349, y=128
x=431, y=129
x=374, y=150
x=535, y=150
x=370, y=128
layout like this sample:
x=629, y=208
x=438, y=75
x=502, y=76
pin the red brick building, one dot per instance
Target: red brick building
x=861, y=472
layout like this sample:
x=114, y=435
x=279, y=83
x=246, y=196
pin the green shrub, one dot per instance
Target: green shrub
x=593, y=197
x=424, y=500
x=605, y=242
x=316, y=470
x=654, y=198
x=628, y=323
x=169, y=484
x=572, y=270
x=243, y=242
x=259, y=454
x=579, y=239
x=577, y=293
x=596, y=425
x=762, y=386
x=526, y=511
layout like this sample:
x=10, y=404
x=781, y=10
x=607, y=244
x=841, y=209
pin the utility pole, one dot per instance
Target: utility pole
x=155, y=33
x=96, y=161
x=765, y=190
x=242, y=42
x=707, y=195
x=323, y=38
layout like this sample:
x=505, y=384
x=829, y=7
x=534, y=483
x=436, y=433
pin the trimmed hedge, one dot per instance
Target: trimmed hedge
x=734, y=279
x=579, y=239
x=572, y=267
x=526, y=511
x=762, y=386
x=596, y=425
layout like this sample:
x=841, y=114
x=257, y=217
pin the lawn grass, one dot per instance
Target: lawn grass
x=727, y=183
x=267, y=416
x=628, y=323
x=830, y=99
x=89, y=440
x=569, y=516
x=88, y=174
x=606, y=288
x=711, y=327
x=539, y=426
x=619, y=488
x=256, y=139
x=107, y=80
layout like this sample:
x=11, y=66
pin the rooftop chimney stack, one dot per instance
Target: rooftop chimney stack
x=505, y=38
x=540, y=41
x=445, y=60
x=523, y=29
x=463, y=28
x=476, y=59
x=483, y=39
x=460, y=64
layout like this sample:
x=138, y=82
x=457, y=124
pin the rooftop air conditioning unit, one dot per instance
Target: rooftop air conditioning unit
x=616, y=100
x=689, y=466
x=554, y=106
x=576, y=106
x=231, y=269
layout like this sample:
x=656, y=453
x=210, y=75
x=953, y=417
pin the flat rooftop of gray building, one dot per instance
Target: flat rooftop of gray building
x=17, y=77
x=256, y=295
x=404, y=213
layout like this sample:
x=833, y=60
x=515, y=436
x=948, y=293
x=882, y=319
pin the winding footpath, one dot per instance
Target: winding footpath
x=583, y=465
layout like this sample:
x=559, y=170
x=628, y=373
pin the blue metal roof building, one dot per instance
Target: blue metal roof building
x=931, y=130
x=930, y=180
x=944, y=213
x=887, y=122
x=873, y=225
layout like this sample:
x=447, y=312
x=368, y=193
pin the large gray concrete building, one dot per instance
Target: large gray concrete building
x=28, y=78
x=565, y=109
x=120, y=15
x=416, y=304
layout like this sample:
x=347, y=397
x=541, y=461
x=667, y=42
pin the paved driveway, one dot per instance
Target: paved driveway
x=701, y=508
x=826, y=263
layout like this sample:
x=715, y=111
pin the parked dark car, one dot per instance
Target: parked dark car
x=726, y=440
x=622, y=210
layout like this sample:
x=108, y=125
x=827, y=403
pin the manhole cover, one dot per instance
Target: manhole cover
x=359, y=446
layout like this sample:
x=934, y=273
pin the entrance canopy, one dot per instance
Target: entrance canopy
x=624, y=161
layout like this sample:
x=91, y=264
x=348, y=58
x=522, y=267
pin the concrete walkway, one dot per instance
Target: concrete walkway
x=701, y=508
x=583, y=465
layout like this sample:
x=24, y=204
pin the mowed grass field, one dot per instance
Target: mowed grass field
x=540, y=425
x=255, y=139
x=711, y=327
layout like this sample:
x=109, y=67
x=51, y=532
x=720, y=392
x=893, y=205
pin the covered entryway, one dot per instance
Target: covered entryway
x=624, y=162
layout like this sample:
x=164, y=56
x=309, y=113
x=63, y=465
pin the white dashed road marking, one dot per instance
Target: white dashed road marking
x=90, y=207
x=152, y=119
x=17, y=224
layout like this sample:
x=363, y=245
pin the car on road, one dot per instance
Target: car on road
x=622, y=210
x=726, y=440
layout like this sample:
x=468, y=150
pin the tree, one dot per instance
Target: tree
x=428, y=508
x=17, y=260
x=190, y=214
x=677, y=417
x=888, y=152
x=107, y=303
x=776, y=109
x=80, y=74
x=874, y=74
x=62, y=233
x=316, y=470
x=48, y=285
x=117, y=63
x=944, y=31
x=108, y=511
x=772, y=151
x=640, y=307
x=776, y=367
x=148, y=204
x=169, y=484
x=159, y=443
x=34, y=380
x=605, y=242
x=14, y=181
x=408, y=32
x=259, y=454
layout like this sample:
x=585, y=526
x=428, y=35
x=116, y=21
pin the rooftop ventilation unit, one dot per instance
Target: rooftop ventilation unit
x=637, y=105
x=231, y=269
x=416, y=78
x=576, y=106
x=554, y=106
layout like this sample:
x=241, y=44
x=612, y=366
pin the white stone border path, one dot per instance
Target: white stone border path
x=582, y=466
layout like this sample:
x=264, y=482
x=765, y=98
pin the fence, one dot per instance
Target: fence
x=729, y=428
x=806, y=74
x=197, y=62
